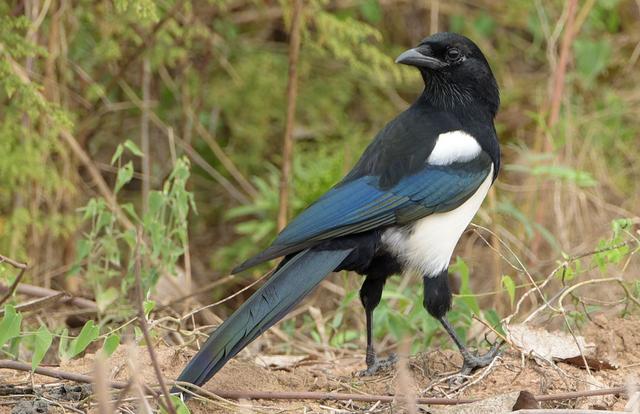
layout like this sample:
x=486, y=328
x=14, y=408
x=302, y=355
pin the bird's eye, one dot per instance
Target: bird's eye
x=453, y=54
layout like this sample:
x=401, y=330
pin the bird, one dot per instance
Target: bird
x=402, y=208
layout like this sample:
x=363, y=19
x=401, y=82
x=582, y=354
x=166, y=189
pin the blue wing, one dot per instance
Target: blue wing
x=361, y=204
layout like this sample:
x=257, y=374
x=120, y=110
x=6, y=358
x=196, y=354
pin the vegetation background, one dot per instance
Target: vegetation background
x=146, y=137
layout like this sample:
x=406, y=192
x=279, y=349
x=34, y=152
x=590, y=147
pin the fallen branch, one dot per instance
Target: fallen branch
x=40, y=303
x=303, y=395
x=315, y=395
x=567, y=411
x=40, y=292
x=571, y=395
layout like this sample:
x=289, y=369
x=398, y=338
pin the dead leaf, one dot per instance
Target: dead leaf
x=556, y=346
x=547, y=345
x=594, y=363
x=525, y=401
x=279, y=361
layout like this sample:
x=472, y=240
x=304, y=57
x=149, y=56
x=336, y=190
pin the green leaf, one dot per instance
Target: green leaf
x=88, y=334
x=398, y=325
x=63, y=346
x=131, y=210
x=457, y=23
x=110, y=344
x=561, y=172
x=125, y=174
x=485, y=25
x=131, y=146
x=494, y=320
x=148, y=306
x=337, y=320
x=592, y=57
x=179, y=405
x=10, y=325
x=371, y=10
x=117, y=154
x=510, y=286
x=43, y=340
x=106, y=298
x=83, y=248
x=155, y=201
x=466, y=294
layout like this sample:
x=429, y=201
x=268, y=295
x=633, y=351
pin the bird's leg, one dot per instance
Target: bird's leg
x=370, y=295
x=471, y=360
x=437, y=301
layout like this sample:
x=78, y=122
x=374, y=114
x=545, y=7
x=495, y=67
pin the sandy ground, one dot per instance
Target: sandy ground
x=617, y=341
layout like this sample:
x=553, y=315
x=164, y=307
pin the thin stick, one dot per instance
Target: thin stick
x=142, y=320
x=233, y=295
x=14, y=285
x=556, y=102
x=433, y=16
x=201, y=290
x=224, y=158
x=561, y=69
x=492, y=329
x=144, y=133
x=292, y=94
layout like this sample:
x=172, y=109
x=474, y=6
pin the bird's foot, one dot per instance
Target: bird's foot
x=376, y=365
x=475, y=361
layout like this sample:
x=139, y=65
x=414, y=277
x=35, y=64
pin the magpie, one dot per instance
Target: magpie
x=403, y=207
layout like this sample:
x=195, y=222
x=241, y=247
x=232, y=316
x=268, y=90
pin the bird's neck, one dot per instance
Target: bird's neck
x=464, y=102
x=466, y=110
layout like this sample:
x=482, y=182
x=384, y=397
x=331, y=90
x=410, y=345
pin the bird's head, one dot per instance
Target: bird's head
x=455, y=72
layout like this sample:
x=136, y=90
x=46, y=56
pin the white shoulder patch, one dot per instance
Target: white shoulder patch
x=454, y=146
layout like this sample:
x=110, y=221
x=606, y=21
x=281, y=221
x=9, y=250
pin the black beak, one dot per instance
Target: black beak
x=420, y=57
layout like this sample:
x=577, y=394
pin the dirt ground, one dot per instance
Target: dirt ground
x=617, y=341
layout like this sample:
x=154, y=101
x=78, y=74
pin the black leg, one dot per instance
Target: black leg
x=370, y=294
x=437, y=301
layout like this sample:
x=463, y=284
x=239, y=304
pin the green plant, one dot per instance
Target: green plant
x=158, y=236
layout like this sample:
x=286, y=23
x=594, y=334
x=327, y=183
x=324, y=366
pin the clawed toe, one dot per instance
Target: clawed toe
x=474, y=361
x=378, y=366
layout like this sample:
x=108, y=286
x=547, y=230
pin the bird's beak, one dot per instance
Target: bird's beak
x=420, y=57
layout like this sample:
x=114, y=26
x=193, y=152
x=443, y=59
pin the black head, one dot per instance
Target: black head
x=455, y=72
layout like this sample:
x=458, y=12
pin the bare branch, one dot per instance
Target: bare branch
x=292, y=94
x=14, y=285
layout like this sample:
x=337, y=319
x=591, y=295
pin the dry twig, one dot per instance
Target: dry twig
x=292, y=94
x=14, y=285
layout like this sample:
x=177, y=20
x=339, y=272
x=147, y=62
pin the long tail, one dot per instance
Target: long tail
x=284, y=289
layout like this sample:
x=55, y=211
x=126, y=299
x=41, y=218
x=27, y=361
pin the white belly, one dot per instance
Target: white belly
x=427, y=245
